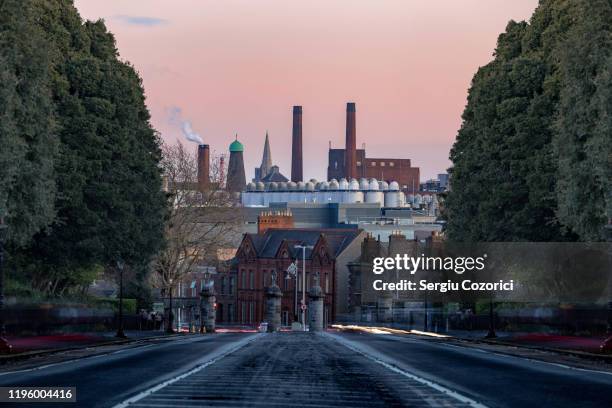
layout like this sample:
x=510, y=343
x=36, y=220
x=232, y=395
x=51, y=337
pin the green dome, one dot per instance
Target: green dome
x=236, y=146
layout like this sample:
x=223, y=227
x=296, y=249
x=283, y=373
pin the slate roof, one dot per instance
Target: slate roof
x=267, y=244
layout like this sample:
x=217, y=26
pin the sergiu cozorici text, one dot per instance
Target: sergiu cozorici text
x=459, y=265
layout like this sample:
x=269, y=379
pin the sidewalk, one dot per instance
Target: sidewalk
x=579, y=345
x=552, y=341
x=24, y=345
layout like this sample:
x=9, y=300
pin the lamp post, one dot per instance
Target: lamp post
x=303, y=248
x=292, y=273
x=170, y=329
x=120, y=334
x=5, y=346
x=491, y=334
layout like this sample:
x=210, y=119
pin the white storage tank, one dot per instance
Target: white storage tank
x=363, y=184
x=373, y=197
x=374, y=185
x=392, y=199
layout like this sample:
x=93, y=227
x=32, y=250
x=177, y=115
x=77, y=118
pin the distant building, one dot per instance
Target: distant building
x=236, y=180
x=368, y=304
x=443, y=179
x=261, y=256
x=267, y=172
x=352, y=162
x=438, y=185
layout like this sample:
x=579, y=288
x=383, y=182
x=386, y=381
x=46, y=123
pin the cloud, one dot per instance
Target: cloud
x=140, y=20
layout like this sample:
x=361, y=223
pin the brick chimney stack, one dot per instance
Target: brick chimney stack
x=203, y=167
x=296, y=146
x=351, y=143
x=274, y=220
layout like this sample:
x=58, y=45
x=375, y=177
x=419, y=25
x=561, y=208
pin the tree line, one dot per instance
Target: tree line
x=80, y=174
x=533, y=158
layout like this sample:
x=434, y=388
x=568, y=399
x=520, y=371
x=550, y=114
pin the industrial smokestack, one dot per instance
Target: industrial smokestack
x=350, y=160
x=296, y=146
x=203, y=167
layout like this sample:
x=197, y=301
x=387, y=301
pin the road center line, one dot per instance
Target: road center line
x=453, y=394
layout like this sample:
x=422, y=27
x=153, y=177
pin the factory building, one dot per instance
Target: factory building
x=364, y=191
x=351, y=162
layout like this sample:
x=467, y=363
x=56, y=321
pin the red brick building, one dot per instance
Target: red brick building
x=385, y=169
x=259, y=255
x=351, y=162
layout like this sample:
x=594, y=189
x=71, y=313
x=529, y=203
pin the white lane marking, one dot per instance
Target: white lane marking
x=499, y=354
x=78, y=359
x=210, y=359
x=453, y=394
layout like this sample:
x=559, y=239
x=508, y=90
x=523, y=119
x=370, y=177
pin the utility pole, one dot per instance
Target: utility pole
x=120, y=334
x=292, y=272
x=303, y=248
x=5, y=346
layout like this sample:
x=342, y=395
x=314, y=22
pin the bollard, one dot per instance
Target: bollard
x=207, y=310
x=315, y=311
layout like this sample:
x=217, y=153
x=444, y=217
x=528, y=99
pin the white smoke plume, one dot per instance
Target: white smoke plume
x=175, y=118
x=190, y=134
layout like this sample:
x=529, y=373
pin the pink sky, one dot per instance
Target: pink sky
x=238, y=66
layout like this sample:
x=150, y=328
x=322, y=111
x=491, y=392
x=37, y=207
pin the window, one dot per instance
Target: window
x=244, y=278
x=232, y=283
x=251, y=280
x=264, y=276
x=271, y=273
x=243, y=312
x=373, y=164
x=230, y=313
x=358, y=164
x=391, y=164
x=326, y=283
x=223, y=285
x=382, y=164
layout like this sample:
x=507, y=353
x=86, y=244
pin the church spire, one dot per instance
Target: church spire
x=266, y=160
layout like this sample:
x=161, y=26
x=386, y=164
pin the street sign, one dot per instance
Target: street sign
x=292, y=269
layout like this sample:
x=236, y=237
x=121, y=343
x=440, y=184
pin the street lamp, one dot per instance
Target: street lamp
x=170, y=329
x=303, y=248
x=292, y=272
x=5, y=346
x=491, y=334
x=120, y=333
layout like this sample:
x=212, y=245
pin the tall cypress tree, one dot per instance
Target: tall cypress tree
x=109, y=201
x=507, y=182
x=28, y=137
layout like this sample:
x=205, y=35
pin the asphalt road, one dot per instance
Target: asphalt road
x=105, y=380
x=313, y=370
x=495, y=380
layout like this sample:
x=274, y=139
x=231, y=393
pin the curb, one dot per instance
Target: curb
x=7, y=358
x=576, y=353
x=607, y=358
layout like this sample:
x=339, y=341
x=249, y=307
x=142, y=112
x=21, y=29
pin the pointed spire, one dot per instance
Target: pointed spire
x=266, y=160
